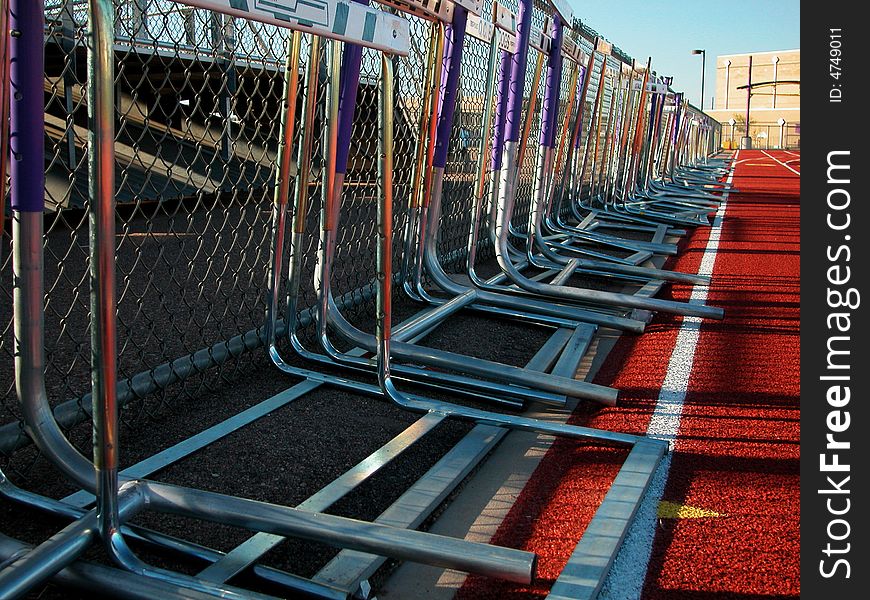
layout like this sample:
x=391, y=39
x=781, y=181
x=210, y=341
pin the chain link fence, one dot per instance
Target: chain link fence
x=197, y=130
x=765, y=136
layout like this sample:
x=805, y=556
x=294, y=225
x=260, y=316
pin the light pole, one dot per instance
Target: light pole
x=746, y=142
x=703, y=54
x=727, y=82
x=775, y=65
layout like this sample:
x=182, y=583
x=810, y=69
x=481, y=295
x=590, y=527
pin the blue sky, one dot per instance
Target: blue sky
x=668, y=30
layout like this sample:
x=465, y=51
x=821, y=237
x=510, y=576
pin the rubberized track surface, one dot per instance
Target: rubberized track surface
x=724, y=522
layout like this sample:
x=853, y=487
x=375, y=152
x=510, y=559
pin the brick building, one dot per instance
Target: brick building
x=775, y=102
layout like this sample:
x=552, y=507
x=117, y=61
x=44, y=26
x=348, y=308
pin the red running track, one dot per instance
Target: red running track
x=729, y=520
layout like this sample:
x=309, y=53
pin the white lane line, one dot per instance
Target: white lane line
x=782, y=163
x=792, y=153
x=626, y=578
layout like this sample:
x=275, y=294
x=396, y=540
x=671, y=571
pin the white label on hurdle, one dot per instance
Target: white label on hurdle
x=564, y=10
x=504, y=19
x=570, y=49
x=479, y=28
x=655, y=87
x=539, y=39
x=539, y=42
x=507, y=41
x=336, y=19
x=474, y=7
x=439, y=10
x=603, y=46
x=573, y=51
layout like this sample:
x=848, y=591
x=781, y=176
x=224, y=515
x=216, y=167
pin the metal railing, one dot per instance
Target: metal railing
x=164, y=257
x=195, y=164
x=765, y=136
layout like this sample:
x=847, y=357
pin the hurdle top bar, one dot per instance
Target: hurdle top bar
x=540, y=38
x=340, y=20
x=573, y=51
x=564, y=10
x=434, y=10
x=602, y=46
x=480, y=28
x=502, y=19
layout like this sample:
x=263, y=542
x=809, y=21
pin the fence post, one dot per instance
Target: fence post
x=223, y=39
x=68, y=46
x=746, y=142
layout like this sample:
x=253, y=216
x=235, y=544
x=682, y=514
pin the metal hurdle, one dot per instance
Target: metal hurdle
x=678, y=140
x=507, y=196
x=559, y=236
x=329, y=313
x=116, y=502
x=156, y=376
x=224, y=346
x=638, y=202
x=609, y=169
x=556, y=385
x=566, y=270
x=662, y=199
x=121, y=497
x=488, y=296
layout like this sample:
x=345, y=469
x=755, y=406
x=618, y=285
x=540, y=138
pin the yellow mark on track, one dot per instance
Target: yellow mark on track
x=674, y=510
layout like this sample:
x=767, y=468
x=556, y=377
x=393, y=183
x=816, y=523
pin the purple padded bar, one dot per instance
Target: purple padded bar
x=349, y=85
x=500, y=110
x=27, y=110
x=518, y=70
x=452, y=62
x=550, y=107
